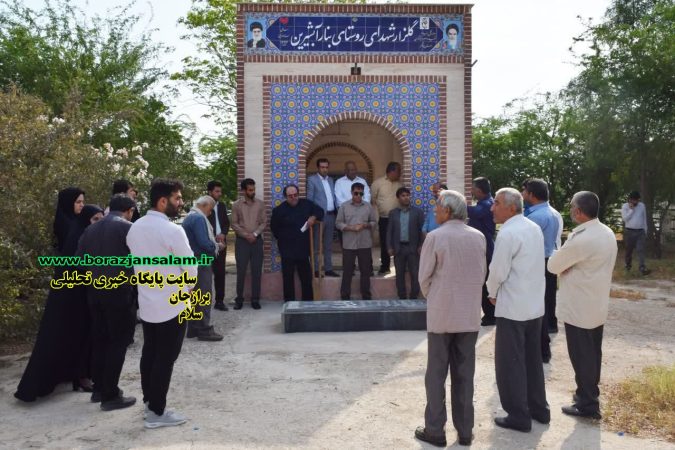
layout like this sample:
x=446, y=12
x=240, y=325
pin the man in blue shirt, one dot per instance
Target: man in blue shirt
x=430, y=220
x=480, y=218
x=535, y=195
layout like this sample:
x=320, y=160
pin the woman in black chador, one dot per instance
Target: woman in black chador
x=70, y=204
x=61, y=351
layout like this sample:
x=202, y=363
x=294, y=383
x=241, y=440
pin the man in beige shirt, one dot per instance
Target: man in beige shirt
x=355, y=219
x=584, y=266
x=452, y=273
x=383, y=198
x=248, y=222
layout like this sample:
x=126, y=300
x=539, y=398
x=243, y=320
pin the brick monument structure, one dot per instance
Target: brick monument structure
x=366, y=83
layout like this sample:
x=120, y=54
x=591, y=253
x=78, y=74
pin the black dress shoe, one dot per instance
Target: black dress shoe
x=546, y=358
x=221, y=306
x=487, y=322
x=437, y=441
x=238, y=305
x=255, y=305
x=572, y=410
x=505, y=423
x=332, y=273
x=118, y=403
x=384, y=272
x=552, y=330
x=544, y=420
x=210, y=336
x=96, y=396
x=465, y=441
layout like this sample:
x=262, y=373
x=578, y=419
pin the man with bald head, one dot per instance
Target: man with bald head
x=343, y=186
x=516, y=287
x=584, y=267
x=289, y=224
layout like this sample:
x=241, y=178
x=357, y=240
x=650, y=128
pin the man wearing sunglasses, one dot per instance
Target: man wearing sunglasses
x=290, y=223
x=356, y=219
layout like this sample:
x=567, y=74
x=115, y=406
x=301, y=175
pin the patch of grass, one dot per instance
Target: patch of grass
x=643, y=405
x=661, y=269
x=628, y=294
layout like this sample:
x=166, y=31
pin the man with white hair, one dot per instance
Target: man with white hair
x=203, y=242
x=516, y=287
x=451, y=275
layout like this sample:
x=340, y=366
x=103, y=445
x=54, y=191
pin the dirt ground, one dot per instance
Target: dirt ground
x=261, y=388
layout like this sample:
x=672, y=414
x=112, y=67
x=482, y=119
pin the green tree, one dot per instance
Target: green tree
x=626, y=96
x=105, y=66
x=532, y=139
x=221, y=155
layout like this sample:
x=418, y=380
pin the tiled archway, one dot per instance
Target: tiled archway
x=297, y=108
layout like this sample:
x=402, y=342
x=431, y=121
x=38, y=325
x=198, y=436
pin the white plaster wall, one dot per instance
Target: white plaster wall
x=253, y=97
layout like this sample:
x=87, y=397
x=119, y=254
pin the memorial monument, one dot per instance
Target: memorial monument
x=368, y=83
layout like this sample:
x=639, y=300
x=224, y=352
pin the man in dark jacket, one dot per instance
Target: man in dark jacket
x=113, y=311
x=480, y=218
x=290, y=226
x=404, y=241
x=126, y=187
x=221, y=225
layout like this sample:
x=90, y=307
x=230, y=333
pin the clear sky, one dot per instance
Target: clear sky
x=521, y=46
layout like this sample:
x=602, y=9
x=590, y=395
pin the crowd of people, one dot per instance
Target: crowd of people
x=452, y=255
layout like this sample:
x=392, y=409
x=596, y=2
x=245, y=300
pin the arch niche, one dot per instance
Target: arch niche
x=364, y=138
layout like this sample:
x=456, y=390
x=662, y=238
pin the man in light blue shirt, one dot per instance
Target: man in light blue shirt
x=535, y=195
x=430, y=220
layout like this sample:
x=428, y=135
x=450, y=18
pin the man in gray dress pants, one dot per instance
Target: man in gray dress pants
x=452, y=272
x=516, y=286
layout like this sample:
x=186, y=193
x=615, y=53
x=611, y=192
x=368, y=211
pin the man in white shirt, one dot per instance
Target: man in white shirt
x=154, y=235
x=516, y=287
x=584, y=266
x=634, y=217
x=343, y=186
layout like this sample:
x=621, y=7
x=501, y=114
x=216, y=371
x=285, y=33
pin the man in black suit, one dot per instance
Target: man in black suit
x=221, y=225
x=113, y=311
x=290, y=226
x=404, y=241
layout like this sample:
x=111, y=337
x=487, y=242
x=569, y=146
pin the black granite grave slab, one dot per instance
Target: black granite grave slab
x=354, y=315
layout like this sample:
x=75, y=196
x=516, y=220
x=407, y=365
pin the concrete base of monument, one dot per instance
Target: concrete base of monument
x=272, y=287
x=354, y=315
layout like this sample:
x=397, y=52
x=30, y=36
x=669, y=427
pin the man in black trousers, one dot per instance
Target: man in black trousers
x=584, y=266
x=155, y=235
x=290, y=226
x=221, y=225
x=113, y=311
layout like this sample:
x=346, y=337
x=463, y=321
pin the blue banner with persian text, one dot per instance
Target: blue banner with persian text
x=339, y=33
